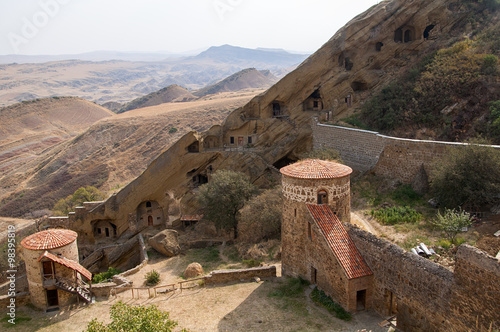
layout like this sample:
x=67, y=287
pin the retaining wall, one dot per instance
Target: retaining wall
x=223, y=276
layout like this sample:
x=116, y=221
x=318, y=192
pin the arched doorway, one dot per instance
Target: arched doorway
x=150, y=220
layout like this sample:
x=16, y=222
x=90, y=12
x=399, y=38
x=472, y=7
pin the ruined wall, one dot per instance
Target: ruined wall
x=222, y=276
x=398, y=158
x=430, y=297
x=476, y=290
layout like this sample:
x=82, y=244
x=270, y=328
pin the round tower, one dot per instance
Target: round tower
x=42, y=271
x=310, y=181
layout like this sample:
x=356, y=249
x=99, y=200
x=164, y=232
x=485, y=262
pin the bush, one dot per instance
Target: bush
x=105, y=276
x=172, y=130
x=395, y=215
x=405, y=195
x=83, y=194
x=467, y=177
x=140, y=318
x=251, y=262
x=260, y=218
x=321, y=298
x=452, y=222
x=152, y=278
x=446, y=244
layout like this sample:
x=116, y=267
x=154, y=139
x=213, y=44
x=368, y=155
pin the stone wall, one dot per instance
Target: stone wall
x=364, y=150
x=223, y=276
x=430, y=297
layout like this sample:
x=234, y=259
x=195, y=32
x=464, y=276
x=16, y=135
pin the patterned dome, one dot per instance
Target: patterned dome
x=316, y=169
x=49, y=239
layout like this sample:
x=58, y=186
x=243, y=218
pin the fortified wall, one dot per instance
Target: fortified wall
x=398, y=158
x=425, y=295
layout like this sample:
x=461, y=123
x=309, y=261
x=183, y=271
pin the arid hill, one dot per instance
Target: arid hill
x=28, y=129
x=250, y=78
x=123, y=81
x=108, y=155
x=172, y=93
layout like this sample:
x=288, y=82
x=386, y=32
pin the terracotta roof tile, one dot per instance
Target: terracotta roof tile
x=339, y=241
x=68, y=263
x=49, y=239
x=316, y=169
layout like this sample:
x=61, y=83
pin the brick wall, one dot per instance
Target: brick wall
x=363, y=150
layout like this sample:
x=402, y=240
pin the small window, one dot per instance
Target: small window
x=315, y=104
x=99, y=231
x=107, y=232
x=148, y=204
x=322, y=197
x=157, y=218
x=231, y=140
x=249, y=139
x=295, y=212
x=309, y=231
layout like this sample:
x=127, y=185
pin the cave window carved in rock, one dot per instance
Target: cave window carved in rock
x=313, y=102
x=148, y=204
x=231, y=140
x=348, y=100
x=194, y=147
x=427, y=31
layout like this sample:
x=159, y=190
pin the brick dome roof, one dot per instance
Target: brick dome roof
x=49, y=239
x=316, y=169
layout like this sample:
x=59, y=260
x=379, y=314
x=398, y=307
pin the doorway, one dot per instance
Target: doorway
x=391, y=304
x=314, y=275
x=150, y=220
x=361, y=300
x=240, y=140
x=48, y=272
x=52, y=298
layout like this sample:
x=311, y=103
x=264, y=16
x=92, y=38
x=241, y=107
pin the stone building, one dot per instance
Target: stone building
x=55, y=277
x=315, y=245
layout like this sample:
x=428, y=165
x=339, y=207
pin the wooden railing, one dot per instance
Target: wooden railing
x=153, y=291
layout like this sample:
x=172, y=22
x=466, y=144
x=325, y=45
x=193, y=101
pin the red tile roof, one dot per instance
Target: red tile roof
x=339, y=241
x=68, y=263
x=195, y=217
x=316, y=169
x=49, y=239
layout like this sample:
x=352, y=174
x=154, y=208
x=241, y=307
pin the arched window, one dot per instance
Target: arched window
x=148, y=204
x=322, y=197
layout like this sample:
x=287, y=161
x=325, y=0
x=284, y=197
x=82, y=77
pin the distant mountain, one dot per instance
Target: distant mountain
x=244, y=79
x=172, y=93
x=257, y=57
x=122, y=81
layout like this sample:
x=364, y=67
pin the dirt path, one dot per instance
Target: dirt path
x=358, y=219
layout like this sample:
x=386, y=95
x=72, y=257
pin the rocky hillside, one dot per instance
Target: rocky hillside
x=28, y=129
x=250, y=78
x=108, y=155
x=172, y=93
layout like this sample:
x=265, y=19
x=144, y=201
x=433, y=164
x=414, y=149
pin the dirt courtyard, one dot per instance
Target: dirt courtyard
x=243, y=306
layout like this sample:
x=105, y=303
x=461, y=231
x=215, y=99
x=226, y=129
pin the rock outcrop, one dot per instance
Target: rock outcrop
x=166, y=243
x=193, y=270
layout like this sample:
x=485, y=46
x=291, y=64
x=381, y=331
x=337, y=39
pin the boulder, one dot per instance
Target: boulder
x=166, y=242
x=193, y=270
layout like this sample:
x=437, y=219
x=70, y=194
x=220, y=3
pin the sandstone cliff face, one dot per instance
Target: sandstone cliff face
x=273, y=129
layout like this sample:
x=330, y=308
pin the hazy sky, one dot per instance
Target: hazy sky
x=77, y=26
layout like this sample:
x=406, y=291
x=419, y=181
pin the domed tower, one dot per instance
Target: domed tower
x=310, y=181
x=52, y=268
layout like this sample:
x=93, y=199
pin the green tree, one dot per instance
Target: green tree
x=467, y=177
x=260, y=219
x=224, y=196
x=140, y=318
x=452, y=222
x=83, y=194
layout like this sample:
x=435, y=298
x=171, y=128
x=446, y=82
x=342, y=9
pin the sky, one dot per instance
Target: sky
x=38, y=27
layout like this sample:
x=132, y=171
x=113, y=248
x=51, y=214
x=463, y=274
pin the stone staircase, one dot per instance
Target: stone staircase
x=73, y=288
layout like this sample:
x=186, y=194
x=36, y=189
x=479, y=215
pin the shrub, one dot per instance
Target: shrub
x=140, y=318
x=152, y=277
x=83, y=194
x=321, y=298
x=468, y=176
x=260, y=218
x=172, y=130
x=446, y=244
x=405, y=195
x=489, y=65
x=105, y=276
x=452, y=222
x=251, y=262
x=396, y=215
